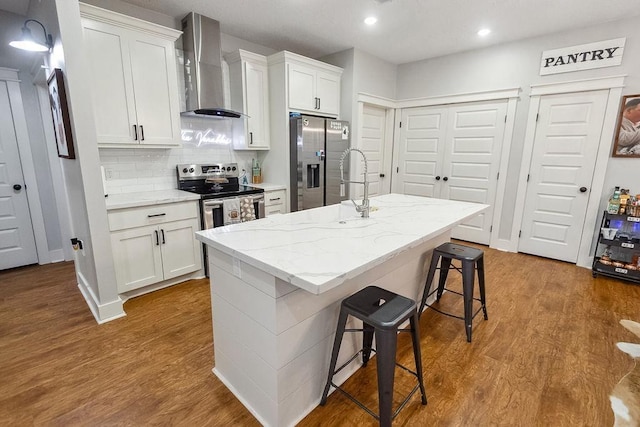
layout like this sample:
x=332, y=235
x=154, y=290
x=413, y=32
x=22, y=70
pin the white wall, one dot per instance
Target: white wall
x=517, y=65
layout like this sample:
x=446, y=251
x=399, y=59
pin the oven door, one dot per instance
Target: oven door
x=213, y=213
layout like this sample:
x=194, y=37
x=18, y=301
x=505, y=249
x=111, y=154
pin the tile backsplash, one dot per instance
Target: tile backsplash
x=129, y=170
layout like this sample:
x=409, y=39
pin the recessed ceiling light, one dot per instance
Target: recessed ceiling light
x=484, y=32
x=371, y=20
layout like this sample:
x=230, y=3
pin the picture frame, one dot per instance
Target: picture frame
x=60, y=115
x=627, y=142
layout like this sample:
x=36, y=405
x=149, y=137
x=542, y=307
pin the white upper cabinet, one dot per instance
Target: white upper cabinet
x=249, y=85
x=311, y=86
x=313, y=89
x=135, y=84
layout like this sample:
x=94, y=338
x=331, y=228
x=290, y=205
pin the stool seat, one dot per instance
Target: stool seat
x=460, y=252
x=379, y=307
x=382, y=313
x=472, y=259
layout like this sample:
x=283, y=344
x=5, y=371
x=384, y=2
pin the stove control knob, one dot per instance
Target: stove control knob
x=185, y=170
x=228, y=168
x=192, y=170
x=233, y=168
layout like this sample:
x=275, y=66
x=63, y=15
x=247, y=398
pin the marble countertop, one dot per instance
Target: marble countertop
x=148, y=198
x=318, y=249
x=268, y=187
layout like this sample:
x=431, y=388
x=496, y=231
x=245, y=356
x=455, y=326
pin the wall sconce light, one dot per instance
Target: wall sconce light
x=27, y=42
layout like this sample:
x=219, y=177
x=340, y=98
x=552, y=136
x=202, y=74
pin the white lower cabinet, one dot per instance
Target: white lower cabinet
x=154, y=244
x=275, y=202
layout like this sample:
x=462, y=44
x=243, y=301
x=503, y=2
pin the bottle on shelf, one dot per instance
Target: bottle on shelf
x=614, y=202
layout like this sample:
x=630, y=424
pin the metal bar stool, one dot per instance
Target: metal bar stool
x=471, y=259
x=381, y=312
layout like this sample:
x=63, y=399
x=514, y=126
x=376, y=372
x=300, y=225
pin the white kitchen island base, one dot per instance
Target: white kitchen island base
x=275, y=313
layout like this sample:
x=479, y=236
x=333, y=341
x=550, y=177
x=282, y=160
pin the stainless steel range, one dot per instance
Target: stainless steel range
x=217, y=183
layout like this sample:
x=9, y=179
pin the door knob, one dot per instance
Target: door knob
x=446, y=178
x=583, y=189
x=438, y=178
x=17, y=187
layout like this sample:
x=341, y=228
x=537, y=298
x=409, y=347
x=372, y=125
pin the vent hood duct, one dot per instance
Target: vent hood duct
x=204, y=91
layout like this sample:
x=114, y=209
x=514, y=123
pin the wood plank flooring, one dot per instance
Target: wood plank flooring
x=546, y=356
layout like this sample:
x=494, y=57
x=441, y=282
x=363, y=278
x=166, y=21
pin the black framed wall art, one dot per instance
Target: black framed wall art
x=60, y=115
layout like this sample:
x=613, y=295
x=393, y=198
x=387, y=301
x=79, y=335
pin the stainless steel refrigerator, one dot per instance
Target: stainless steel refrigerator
x=316, y=146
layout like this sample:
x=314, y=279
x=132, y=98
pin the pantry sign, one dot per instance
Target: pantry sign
x=606, y=53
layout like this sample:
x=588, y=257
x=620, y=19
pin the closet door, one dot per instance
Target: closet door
x=471, y=162
x=419, y=151
x=453, y=152
x=372, y=143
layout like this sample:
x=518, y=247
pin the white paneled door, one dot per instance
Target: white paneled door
x=17, y=243
x=420, y=150
x=453, y=152
x=373, y=135
x=565, y=146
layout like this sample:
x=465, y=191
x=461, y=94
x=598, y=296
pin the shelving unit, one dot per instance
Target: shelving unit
x=622, y=248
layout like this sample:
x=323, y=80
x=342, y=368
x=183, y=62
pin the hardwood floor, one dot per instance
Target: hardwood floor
x=546, y=356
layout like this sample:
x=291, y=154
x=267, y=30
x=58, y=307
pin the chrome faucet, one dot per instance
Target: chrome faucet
x=363, y=208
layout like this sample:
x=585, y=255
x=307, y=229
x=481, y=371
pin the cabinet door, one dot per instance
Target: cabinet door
x=136, y=256
x=155, y=86
x=107, y=51
x=328, y=92
x=181, y=252
x=302, y=91
x=257, y=105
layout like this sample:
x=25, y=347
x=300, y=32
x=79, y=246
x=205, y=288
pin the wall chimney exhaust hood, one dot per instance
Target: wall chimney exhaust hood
x=204, y=90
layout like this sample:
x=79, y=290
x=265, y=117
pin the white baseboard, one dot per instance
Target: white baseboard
x=101, y=312
x=56, y=255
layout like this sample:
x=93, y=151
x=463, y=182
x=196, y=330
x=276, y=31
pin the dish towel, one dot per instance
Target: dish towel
x=231, y=211
x=247, y=211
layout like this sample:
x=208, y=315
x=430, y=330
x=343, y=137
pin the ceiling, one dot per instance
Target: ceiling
x=407, y=30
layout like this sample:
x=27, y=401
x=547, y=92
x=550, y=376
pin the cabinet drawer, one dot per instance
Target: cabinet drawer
x=274, y=197
x=275, y=209
x=148, y=215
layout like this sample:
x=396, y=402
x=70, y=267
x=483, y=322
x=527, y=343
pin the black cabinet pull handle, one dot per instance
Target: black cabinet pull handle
x=141, y=133
x=157, y=238
x=155, y=215
x=438, y=178
x=163, y=241
x=135, y=132
x=250, y=137
x=319, y=103
x=17, y=187
x=273, y=200
x=446, y=178
x=381, y=175
x=583, y=189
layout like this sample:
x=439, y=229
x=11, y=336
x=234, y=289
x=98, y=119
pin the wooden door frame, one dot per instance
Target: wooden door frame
x=614, y=85
x=10, y=76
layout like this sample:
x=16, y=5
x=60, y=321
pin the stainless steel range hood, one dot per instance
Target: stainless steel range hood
x=204, y=90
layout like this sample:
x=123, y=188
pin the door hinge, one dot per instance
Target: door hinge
x=520, y=233
x=490, y=229
x=537, y=117
x=498, y=176
x=527, y=177
x=400, y=124
x=505, y=118
x=397, y=169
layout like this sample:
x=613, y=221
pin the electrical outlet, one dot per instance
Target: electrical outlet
x=108, y=174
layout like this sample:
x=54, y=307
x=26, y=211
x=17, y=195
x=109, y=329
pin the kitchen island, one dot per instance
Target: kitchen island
x=277, y=283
